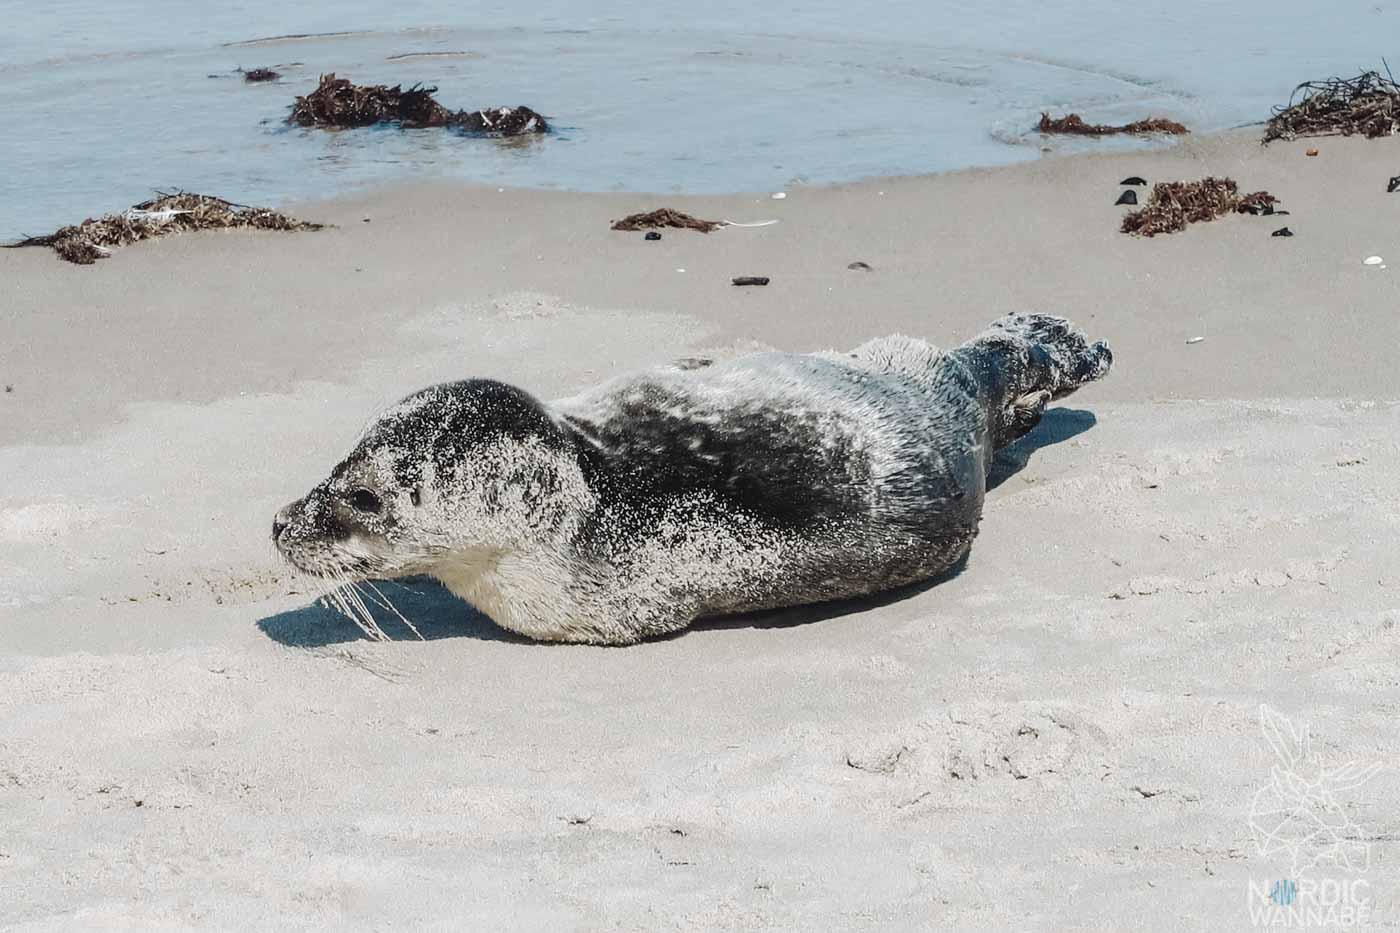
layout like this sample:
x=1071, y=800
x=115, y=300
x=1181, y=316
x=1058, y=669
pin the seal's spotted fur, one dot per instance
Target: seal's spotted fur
x=772, y=479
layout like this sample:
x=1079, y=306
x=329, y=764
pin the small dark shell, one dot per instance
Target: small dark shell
x=1394, y=185
x=1133, y=180
x=1127, y=197
x=751, y=280
x=652, y=235
x=1282, y=231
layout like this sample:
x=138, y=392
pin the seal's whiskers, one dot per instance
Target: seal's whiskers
x=384, y=601
x=363, y=616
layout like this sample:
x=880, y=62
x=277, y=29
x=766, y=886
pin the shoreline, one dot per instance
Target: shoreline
x=949, y=252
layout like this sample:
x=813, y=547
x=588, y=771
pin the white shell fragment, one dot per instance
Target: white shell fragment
x=1372, y=260
x=1194, y=339
x=779, y=195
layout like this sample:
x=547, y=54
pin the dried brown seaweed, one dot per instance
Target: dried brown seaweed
x=1074, y=125
x=1367, y=105
x=176, y=212
x=1175, y=204
x=337, y=102
x=665, y=217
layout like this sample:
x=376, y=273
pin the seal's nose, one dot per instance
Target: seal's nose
x=282, y=519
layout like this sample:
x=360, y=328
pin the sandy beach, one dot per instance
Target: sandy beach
x=1066, y=735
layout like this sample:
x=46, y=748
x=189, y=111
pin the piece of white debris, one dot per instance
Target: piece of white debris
x=1194, y=339
x=1373, y=260
x=680, y=270
x=779, y=195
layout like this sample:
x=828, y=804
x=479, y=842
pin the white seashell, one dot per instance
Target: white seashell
x=1194, y=339
x=1373, y=260
x=778, y=196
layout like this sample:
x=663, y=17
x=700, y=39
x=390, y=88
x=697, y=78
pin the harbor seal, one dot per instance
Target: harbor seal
x=695, y=489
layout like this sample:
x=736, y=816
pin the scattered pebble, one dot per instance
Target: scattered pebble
x=1133, y=180
x=779, y=195
x=859, y=265
x=9, y=388
x=1394, y=185
x=1372, y=261
x=1127, y=197
x=652, y=235
x=1194, y=339
x=1282, y=231
x=751, y=280
x=1312, y=152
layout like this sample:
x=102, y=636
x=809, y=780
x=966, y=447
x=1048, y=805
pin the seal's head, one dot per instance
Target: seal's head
x=451, y=477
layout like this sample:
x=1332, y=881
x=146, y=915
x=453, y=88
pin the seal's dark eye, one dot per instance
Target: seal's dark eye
x=366, y=501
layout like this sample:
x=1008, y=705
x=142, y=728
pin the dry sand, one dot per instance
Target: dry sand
x=1064, y=736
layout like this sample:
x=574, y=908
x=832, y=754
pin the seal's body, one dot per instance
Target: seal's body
x=703, y=488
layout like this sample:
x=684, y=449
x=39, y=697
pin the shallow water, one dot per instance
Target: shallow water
x=105, y=102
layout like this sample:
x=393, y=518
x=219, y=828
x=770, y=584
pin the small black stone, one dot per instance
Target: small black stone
x=1127, y=197
x=1282, y=231
x=751, y=280
x=859, y=265
x=1393, y=186
x=653, y=235
x=1133, y=180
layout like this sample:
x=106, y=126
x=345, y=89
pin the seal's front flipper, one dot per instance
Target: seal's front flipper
x=1024, y=414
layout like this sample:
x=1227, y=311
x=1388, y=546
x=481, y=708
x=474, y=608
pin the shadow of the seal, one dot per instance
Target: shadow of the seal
x=438, y=614
x=1057, y=426
x=435, y=612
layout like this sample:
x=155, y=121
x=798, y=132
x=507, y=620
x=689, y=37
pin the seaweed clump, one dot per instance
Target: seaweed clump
x=1367, y=105
x=1074, y=125
x=665, y=217
x=176, y=212
x=1175, y=204
x=258, y=75
x=337, y=102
